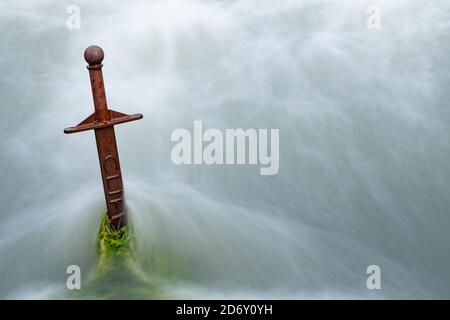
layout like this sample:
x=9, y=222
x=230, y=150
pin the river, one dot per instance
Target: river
x=363, y=117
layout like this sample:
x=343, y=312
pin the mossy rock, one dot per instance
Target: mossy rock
x=118, y=275
x=112, y=243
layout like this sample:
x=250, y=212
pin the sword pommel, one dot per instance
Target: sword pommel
x=94, y=55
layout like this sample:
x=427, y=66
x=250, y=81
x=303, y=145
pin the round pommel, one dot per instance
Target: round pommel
x=94, y=55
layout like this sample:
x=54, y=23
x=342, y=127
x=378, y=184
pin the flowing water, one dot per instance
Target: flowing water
x=364, y=147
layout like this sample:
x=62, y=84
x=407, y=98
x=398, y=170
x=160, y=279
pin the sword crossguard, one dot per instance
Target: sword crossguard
x=91, y=123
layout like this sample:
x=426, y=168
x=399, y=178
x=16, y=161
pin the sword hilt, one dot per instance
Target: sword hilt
x=102, y=117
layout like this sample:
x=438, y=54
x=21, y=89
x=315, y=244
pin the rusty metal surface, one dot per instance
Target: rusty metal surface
x=102, y=121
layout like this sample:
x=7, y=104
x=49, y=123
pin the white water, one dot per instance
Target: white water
x=364, y=145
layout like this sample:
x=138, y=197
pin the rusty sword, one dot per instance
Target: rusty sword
x=102, y=121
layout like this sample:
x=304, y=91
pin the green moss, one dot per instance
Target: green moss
x=110, y=241
x=117, y=274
